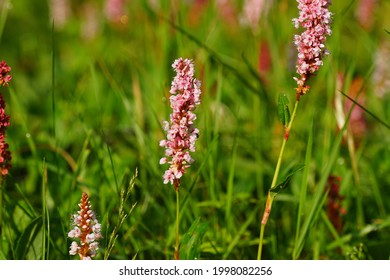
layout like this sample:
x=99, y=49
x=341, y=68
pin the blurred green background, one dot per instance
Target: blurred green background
x=89, y=93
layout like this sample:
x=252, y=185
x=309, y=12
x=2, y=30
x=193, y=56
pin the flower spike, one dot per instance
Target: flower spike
x=5, y=154
x=181, y=132
x=85, y=232
x=315, y=17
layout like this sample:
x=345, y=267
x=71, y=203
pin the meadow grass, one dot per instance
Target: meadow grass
x=86, y=116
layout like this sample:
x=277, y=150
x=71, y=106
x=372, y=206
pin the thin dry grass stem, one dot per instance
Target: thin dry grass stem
x=122, y=214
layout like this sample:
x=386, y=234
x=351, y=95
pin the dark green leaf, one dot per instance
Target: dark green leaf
x=283, y=110
x=284, y=181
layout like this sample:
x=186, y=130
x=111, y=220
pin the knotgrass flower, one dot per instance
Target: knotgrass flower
x=315, y=17
x=86, y=231
x=181, y=132
x=5, y=154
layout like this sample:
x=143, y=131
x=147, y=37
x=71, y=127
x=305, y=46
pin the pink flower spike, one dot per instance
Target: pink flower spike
x=181, y=133
x=5, y=77
x=315, y=17
x=5, y=154
x=86, y=231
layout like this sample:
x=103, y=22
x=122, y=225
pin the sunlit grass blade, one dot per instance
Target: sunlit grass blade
x=230, y=189
x=112, y=165
x=375, y=226
x=29, y=243
x=366, y=110
x=45, y=215
x=28, y=209
x=6, y=5
x=190, y=247
x=303, y=189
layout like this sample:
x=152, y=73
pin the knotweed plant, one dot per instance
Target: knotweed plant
x=181, y=132
x=315, y=19
x=85, y=231
x=5, y=154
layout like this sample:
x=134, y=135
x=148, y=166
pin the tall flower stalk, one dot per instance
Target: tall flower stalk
x=5, y=154
x=85, y=231
x=315, y=18
x=181, y=132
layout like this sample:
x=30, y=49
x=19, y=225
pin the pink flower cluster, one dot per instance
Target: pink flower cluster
x=5, y=154
x=5, y=77
x=315, y=17
x=86, y=231
x=181, y=133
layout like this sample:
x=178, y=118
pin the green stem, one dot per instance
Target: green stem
x=270, y=197
x=176, y=254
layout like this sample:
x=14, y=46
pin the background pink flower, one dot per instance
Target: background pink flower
x=5, y=154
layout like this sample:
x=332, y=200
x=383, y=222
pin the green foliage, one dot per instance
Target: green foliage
x=190, y=247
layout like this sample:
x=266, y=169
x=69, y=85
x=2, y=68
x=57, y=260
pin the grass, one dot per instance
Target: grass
x=86, y=115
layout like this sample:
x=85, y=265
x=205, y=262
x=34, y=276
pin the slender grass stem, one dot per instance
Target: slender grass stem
x=302, y=199
x=271, y=196
x=176, y=254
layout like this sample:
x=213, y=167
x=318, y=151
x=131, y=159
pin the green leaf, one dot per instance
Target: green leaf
x=29, y=244
x=192, y=240
x=283, y=110
x=284, y=181
x=2, y=256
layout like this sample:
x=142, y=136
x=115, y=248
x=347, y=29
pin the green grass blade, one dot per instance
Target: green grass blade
x=320, y=193
x=366, y=110
x=302, y=198
x=29, y=244
x=45, y=215
x=6, y=5
x=230, y=189
x=190, y=247
x=241, y=231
